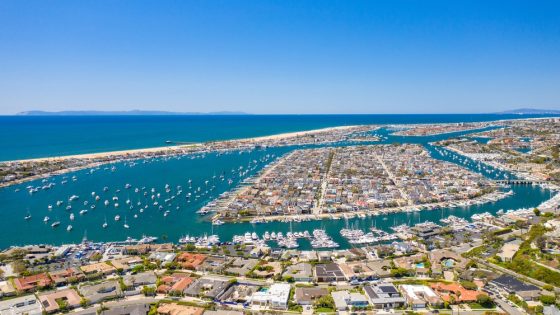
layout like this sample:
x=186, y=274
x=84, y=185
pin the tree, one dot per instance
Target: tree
x=540, y=242
x=484, y=300
x=548, y=299
x=149, y=291
x=400, y=272
x=537, y=212
x=326, y=301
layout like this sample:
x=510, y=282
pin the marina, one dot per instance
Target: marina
x=205, y=180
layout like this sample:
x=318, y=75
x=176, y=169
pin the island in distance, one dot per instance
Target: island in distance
x=121, y=113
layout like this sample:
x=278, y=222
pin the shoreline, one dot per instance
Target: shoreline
x=279, y=136
x=128, y=155
x=135, y=154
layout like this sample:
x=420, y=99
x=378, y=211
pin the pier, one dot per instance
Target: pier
x=520, y=182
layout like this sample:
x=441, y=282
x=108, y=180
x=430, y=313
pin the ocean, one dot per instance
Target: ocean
x=25, y=137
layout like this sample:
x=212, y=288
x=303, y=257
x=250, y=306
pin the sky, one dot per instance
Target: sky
x=280, y=57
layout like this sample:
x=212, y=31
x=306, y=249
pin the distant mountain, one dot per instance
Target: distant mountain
x=531, y=111
x=120, y=113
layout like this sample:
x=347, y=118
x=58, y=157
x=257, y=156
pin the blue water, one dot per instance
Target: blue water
x=25, y=137
x=204, y=172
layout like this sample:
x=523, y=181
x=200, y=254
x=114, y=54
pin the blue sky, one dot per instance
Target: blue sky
x=280, y=56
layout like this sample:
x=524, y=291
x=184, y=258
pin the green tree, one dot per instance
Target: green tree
x=548, y=299
x=326, y=301
x=484, y=300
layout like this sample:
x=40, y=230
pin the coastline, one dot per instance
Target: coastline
x=132, y=154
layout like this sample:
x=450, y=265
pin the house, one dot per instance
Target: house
x=162, y=257
x=365, y=270
x=512, y=285
x=509, y=249
x=190, y=261
x=96, y=293
x=302, y=272
x=32, y=283
x=125, y=308
x=65, y=276
x=140, y=279
x=328, y=273
x=276, y=296
x=24, y=305
x=176, y=283
x=420, y=296
x=126, y=263
x=384, y=296
x=7, y=289
x=98, y=268
x=241, y=266
x=206, y=287
x=213, y=264
x=455, y=292
x=344, y=299
x=51, y=301
x=176, y=309
x=238, y=293
x=307, y=296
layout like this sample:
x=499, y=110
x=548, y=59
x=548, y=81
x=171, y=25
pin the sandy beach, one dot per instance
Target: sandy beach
x=173, y=148
x=136, y=153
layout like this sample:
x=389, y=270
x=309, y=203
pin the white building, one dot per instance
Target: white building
x=22, y=305
x=419, y=296
x=274, y=297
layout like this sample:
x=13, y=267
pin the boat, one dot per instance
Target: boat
x=125, y=225
x=84, y=211
x=55, y=224
x=27, y=217
x=46, y=219
x=217, y=222
x=71, y=217
x=117, y=217
x=147, y=239
x=69, y=228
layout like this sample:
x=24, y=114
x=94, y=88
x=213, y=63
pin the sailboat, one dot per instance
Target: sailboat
x=105, y=223
x=125, y=224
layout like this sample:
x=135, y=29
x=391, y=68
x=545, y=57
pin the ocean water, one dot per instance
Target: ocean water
x=190, y=172
x=24, y=137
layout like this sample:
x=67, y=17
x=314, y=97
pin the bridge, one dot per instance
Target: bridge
x=520, y=182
